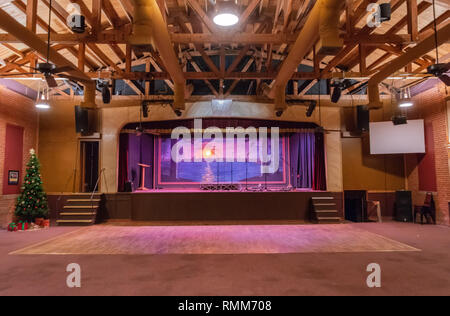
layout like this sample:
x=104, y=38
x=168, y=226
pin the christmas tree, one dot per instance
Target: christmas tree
x=32, y=203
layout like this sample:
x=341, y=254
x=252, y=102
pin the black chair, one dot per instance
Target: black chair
x=427, y=209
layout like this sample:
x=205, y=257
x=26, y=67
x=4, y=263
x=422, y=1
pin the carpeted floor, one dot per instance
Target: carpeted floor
x=247, y=239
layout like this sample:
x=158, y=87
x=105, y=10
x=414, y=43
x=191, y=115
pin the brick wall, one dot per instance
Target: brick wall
x=431, y=105
x=15, y=109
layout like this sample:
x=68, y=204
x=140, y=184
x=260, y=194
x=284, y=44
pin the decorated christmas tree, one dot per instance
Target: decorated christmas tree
x=32, y=203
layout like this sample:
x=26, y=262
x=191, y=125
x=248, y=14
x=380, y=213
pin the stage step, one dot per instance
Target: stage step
x=74, y=222
x=79, y=206
x=80, y=210
x=324, y=210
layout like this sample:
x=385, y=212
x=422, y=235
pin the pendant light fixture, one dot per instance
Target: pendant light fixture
x=226, y=13
x=42, y=101
x=405, y=99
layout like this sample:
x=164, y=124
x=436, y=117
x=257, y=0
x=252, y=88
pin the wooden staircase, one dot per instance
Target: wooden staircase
x=79, y=210
x=324, y=210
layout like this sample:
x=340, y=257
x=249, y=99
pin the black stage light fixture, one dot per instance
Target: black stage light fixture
x=178, y=113
x=106, y=94
x=311, y=108
x=78, y=23
x=385, y=12
x=279, y=113
x=399, y=120
x=139, y=130
x=337, y=92
x=339, y=86
x=144, y=108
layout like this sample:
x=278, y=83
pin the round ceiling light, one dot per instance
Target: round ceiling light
x=226, y=19
x=406, y=103
x=226, y=13
x=42, y=105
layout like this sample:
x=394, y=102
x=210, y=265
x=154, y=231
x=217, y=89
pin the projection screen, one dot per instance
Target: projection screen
x=387, y=138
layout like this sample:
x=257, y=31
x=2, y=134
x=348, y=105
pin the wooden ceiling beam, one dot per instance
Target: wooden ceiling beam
x=413, y=21
x=31, y=12
x=19, y=4
x=365, y=31
x=203, y=16
x=201, y=75
x=391, y=33
x=10, y=25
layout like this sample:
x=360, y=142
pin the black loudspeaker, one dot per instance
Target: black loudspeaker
x=362, y=118
x=355, y=205
x=403, y=206
x=81, y=119
x=128, y=187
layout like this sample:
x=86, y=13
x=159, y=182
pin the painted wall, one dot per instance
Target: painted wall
x=13, y=158
x=15, y=110
x=58, y=147
x=363, y=171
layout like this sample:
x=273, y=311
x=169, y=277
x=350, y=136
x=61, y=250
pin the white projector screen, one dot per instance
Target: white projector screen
x=387, y=138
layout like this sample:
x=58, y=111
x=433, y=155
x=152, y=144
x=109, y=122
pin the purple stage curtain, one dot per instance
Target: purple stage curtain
x=302, y=150
x=320, y=179
x=123, y=162
x=134, y=150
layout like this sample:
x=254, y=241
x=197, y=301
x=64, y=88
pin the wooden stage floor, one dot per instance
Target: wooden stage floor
x=242, y=239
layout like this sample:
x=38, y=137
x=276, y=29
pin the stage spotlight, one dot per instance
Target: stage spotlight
x=279, y=113
x=106, y=94
x=178, y=113
x=311, y=108
x=139, y=130
x=77, y=23
x=336, y=96
x=339, y=86
x=144, y=108
x=399, y=120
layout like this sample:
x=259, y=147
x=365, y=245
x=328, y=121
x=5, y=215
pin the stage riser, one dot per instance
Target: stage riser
x=211, y=206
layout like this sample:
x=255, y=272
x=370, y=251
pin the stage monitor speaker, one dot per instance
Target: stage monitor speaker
x=128, y=186
x=363, y=118
x=403, y=206
x=81, y=119
x=355, y=205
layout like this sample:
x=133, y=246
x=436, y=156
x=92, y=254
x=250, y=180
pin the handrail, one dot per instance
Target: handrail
x=96, y=184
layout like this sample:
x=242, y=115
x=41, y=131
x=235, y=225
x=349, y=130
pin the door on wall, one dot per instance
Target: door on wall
x=12, y=167
x=89, y=165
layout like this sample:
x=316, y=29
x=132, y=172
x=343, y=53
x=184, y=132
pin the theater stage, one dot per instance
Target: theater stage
x=191, y=205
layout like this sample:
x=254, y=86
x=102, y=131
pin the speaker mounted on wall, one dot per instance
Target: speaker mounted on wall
x=363, y=118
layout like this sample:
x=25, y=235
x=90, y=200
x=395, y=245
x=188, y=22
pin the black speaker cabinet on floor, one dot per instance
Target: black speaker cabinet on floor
x=363, y=118
x=355, y=205
x=403, y=206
